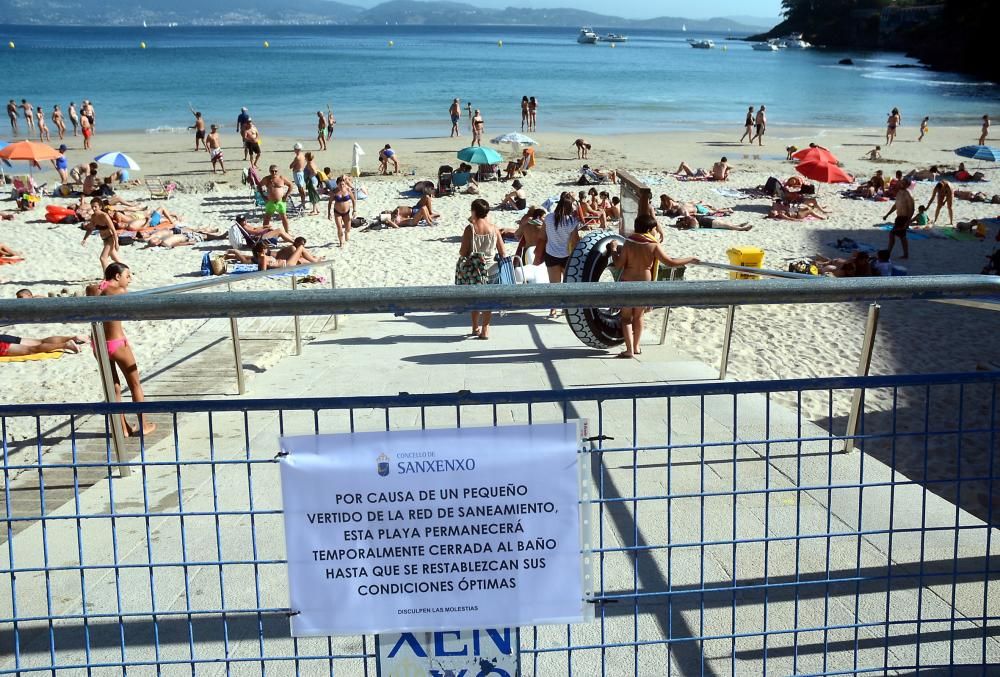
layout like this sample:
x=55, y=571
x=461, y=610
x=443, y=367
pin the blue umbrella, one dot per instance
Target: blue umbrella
x=477, y=155
x=985, y=153
x=117, y=160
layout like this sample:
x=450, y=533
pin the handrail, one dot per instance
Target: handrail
x=217, y=280
x=497, y=297
x=762, y=272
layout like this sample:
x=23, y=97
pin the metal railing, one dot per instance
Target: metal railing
x=730, y=535
x=104, y=360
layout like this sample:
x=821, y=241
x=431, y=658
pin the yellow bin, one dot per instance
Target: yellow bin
x=748, y=257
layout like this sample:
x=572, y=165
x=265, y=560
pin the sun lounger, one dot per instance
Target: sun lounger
x=159, y=190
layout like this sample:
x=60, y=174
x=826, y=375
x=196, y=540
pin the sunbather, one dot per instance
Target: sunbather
x=858, y=265
x=719, y=171
x=182, y=237
x=689, y=222
x=598, y=175
x=930, y=174
x=516, y=199
x=412, y=216
x=962, y=174
x=262, y=233
x=19, y=346
x=795, y=212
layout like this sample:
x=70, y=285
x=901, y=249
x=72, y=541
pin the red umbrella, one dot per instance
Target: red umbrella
x=824, y=172
x=816, y=153
x=28, y=150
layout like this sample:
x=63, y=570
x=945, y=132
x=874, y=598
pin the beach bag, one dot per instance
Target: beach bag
x=359, y=222
x=803, y=267
x=506, y=271
x=472, y=269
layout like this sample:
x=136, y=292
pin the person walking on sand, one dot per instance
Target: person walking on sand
x=455, y=111
x=12, y=114
x=748, y=126
x=298, y=166
x=74, y=117
x=214, y=145
x=29, y=116
x=86, y=130
x=760, y=123
x=905, y=209
x=478, y=127
x=117, y=278
x=276, y=188
x=639, y=260
x=102, y=222
x=43, y=129
x=251, y=142
x=985, y=131
x=923, y=128
x=341, y=209
x=199, y=131
x=532, y=114
x=890, y=126
x=57, y=120
x=321, y=130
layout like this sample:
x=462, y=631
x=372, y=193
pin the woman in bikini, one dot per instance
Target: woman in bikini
x=532, y=114
x=478, y=127
x=341, y=208
x=117, y=277
x=890, y=126
x=524, y=113
x=102, y=223
x=412, y=216
x=292, y=255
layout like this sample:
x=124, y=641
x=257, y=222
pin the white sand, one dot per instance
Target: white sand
x=769, y=342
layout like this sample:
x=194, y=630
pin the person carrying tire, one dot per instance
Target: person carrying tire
x=562, y=231
x=638, y=260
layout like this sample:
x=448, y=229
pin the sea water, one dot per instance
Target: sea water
x=398, y=81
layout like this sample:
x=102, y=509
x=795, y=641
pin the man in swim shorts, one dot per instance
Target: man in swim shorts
x=214, y=145
x=298, y=166
x=760, y=122
x=456, y=114
x=199, y=131
x=904, y=208
x=276, y=188
x=251, y=142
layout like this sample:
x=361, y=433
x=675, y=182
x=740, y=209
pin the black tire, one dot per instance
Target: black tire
x=595, y=327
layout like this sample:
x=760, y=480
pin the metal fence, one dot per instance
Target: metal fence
x=733, y=534
x=733, y=537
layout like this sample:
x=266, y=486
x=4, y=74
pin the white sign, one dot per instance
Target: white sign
x=462, y=653
x=433, y=529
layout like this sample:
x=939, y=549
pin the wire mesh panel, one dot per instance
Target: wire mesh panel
x=731, y=533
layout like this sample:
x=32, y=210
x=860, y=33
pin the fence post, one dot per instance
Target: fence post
x=234, y=334
x=726, y=342
x=100, y=343
x=864, y=366
x=663, y=329
x=297, y=323
x=333, y=285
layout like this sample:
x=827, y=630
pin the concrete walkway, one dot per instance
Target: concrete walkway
x=666, y=526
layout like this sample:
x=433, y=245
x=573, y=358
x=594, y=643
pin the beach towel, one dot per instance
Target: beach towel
x=846, y=244
x=910, y=234
x=30, y=358
x=734, y=193
x=958, y=235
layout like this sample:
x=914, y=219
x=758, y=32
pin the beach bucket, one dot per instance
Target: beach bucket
x=748, y=257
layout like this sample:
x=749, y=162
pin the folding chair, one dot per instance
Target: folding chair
x=158, y=190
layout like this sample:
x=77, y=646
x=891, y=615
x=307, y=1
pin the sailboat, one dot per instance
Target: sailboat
x=684, y=28
x=144, y=25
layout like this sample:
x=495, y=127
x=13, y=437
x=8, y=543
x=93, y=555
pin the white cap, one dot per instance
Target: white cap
x=297, y=146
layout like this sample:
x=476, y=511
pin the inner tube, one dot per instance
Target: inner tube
x=58, y=209
x=595, y=327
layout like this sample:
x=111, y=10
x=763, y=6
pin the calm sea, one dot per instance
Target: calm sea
x=653, y=82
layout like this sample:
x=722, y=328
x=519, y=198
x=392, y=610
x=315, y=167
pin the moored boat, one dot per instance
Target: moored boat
x=701, y=44
x=587, y=36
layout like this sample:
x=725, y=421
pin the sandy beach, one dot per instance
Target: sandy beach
x=769, y=342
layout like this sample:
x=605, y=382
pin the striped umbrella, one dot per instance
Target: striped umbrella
x=984, y=153
x=117, y=160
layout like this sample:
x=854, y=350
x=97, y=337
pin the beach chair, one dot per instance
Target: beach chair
x=239, y=238
x=159, y=190
x=253, y=178
x=25, y=192
x=444, y=183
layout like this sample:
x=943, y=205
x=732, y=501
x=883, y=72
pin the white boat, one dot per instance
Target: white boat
x=587, y=36
x=684, y=28
x=764, y=47
x=614, y=37
x=701, y=44
x=795, y=41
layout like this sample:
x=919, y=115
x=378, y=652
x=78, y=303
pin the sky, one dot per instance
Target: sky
x=639, y=9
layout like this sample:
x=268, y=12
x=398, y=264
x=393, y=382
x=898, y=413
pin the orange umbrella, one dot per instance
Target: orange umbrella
x=823, y=171
x=815, y=153
x=28, y=150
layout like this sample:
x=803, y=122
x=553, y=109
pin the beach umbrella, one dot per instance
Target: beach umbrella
x=120, y=160
x=825, y=172
x=516, y=140
x=356, y=160
x=985, y=153
x=477, y=155
x=28, y=150
x=816, y=154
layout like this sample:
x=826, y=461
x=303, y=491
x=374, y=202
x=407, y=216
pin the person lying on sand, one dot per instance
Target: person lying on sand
x=930, y=174
x=858, y=264
x=719, y=171
x=972, y=196
x=692, y=221
x=182, y=237
x=258, y=233
x=794, y=212
x=404, y=216
x=962, y=174
x=19, y=346
x=598, y=174
x=670, y=207
x=292, y=255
